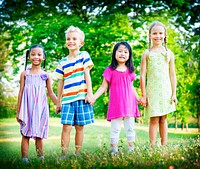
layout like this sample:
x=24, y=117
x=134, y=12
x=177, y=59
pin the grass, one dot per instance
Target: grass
x=182, y=151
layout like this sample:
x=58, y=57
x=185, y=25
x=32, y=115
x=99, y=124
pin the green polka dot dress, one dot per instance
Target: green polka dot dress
x=159, y=91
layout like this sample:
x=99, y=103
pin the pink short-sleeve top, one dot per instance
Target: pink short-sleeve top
x=122, y=102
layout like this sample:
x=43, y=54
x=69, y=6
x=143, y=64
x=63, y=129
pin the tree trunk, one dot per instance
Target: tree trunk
x=199, y=121
x=186, y=126
x=176, y=123
x=182, y=125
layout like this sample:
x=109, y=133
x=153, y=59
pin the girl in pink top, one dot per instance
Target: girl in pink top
x=119, y=76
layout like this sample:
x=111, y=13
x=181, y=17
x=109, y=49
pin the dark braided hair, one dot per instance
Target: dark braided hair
x=28, y=53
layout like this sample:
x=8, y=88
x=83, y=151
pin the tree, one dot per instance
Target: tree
x=104, y=23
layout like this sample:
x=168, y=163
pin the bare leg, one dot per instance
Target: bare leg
x=39, y=147
x=65, y=138
x=153, y=129
x=25, y=146
x=163, y=129
x=79, y=138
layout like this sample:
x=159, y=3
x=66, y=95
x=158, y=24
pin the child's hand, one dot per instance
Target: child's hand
x=174, y=99
x=58, y=111
x=93, y=100
x=17, y=118
x=58, y=108
x=143, y=101
x=90, y=99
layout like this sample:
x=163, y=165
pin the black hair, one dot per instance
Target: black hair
x=28, y=53
x=129, y=62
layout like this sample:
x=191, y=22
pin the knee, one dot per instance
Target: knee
x=163, y=119
x=130, y=133
x=115, y=130
x=114, y=133
x=66, y=128
x=154, y=120
x=79, y=128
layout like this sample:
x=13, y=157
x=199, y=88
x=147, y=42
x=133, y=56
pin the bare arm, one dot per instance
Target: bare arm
x=135, y=93
x=173, y=77
x=143, y=79
x=50, y=91
x=102, y=89
x=21, y=89
x=59, y=90
x=88, y=81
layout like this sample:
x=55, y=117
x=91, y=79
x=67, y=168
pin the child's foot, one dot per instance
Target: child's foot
x=25, y=161
x=63, y=157
x=41, y=158
x=130, y=148
x=77, y=154
x=114, y=150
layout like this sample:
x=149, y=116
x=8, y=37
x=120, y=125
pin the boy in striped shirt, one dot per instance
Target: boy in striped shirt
x=74, y=90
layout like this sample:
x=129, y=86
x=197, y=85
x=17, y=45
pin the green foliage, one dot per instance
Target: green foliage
x=24, y=23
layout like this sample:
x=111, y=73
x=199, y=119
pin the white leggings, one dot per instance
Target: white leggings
x=116, y=125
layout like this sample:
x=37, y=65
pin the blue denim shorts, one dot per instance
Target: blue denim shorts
x=77, y=113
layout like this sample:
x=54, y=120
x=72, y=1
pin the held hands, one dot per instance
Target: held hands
x=90, y=99
x=143, y=101
x=58, y=108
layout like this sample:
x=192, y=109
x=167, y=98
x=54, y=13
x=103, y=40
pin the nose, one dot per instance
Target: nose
x=37, y=56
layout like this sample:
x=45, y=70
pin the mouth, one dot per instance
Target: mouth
x=36, y=61
x=70, y=45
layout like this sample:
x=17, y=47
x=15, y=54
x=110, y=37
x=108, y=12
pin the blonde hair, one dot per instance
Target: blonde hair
x=157, y=23
x=75, y=29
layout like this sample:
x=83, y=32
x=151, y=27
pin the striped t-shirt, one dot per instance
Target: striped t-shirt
x=72, y=72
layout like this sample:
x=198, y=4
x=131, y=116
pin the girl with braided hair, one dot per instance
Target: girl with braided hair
x=32, y=107
x=158, y=82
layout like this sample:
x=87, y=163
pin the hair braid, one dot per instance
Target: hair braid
x=27, y=54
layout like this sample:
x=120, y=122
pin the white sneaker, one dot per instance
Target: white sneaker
x=26, y=161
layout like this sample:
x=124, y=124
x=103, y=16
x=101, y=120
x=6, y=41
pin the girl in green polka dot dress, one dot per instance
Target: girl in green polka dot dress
x=158, y=82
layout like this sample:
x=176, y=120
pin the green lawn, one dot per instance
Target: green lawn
x=183, y=150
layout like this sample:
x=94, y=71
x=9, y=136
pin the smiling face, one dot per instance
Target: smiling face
x=122, y=54
x=157, y=34
x=36, y=56
x=74, y=41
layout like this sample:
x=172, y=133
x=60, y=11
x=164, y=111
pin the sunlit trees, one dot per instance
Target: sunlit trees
x=104, y=23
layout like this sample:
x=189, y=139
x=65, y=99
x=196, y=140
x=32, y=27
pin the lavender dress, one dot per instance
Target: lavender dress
x=34, y=110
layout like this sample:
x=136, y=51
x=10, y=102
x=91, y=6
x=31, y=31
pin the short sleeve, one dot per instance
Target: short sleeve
x=107, y=74
x=87, y=61
x=133, y=76
x=44, y=75
x=58, y=73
